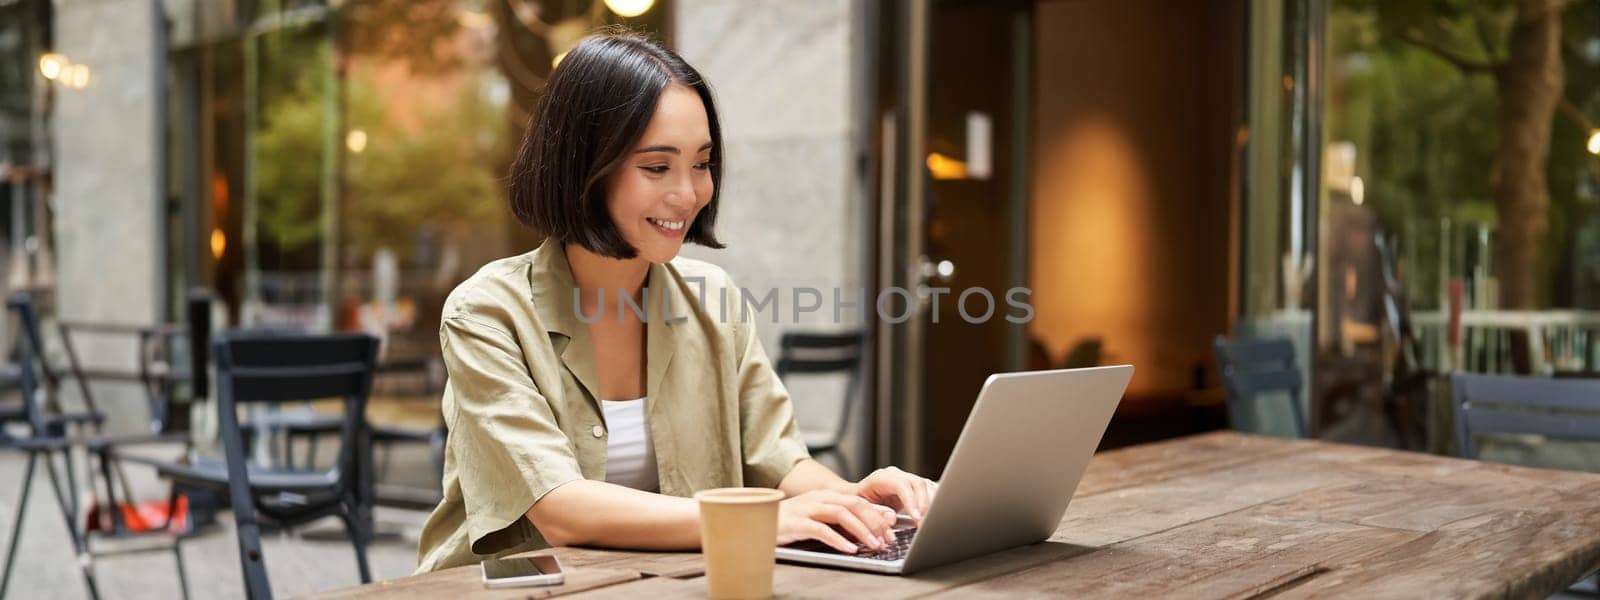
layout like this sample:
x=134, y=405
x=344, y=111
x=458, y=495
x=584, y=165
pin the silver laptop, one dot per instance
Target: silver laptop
x=1010, y=477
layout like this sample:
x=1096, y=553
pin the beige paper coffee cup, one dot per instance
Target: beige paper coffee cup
x=738, y=536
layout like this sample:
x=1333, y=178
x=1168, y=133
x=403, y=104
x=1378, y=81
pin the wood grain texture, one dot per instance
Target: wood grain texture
x=1232, y=555
x=1130, y=512
x=1150, y=463
x=1527, y=548
x=468, y=580
x=679, y=565
x=652, y=588
x=1221, y=515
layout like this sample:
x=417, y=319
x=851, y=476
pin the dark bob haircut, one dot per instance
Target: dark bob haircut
x=595, y=107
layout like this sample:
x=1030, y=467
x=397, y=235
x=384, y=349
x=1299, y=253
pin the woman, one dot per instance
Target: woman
x=576, y=421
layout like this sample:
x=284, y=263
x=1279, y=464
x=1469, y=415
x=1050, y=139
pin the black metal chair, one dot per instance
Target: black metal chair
x=1566, y=409
x=1255, y=368
x=285, y=429
x=271, y=368
x=55, y=429
x=821, y=354
x=47, y=436
x=1505, y=404
x=282, y=430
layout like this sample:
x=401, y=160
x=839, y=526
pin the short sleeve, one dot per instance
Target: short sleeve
x=770, y=439
x=509, y=449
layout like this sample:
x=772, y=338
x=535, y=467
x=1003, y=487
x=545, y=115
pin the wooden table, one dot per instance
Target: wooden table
x=1220, y=515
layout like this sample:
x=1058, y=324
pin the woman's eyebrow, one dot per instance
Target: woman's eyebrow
x=666, y=148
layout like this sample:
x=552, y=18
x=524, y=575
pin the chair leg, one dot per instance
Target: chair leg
x=177, y=557
x=118, y=527
x=72, y=483
x=355, y=524
x=79, y=546
x=177, y=538
x=251, y=562
x=16, y=527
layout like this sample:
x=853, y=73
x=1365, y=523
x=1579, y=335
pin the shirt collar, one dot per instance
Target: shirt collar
x=551, y=285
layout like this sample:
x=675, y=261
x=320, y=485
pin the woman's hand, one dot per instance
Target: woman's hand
x=812, y=515
x=905, y=492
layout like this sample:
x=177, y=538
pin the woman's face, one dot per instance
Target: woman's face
x=666, y=179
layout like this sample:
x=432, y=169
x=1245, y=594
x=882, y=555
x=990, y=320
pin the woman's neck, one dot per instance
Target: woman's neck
x=594, y=273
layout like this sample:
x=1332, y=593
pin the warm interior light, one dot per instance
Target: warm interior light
x=356, y=140
x=629, y=8
x=219, y=242
x=76, y=76
x=1358, y=190
x=51, y=65
x=557, y=60
x=944, y=167
x=1594, y=142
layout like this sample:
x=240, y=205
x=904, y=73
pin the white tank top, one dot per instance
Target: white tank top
x=630, y=457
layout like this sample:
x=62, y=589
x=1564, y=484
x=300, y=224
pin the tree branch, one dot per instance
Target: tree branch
x=1483, y=37
x=1415, y=38
x=1576, y=115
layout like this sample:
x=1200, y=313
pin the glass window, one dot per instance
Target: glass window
x=1276, y=243
x=1459, y=177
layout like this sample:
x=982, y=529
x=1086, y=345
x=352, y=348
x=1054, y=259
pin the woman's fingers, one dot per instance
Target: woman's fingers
x=890, y=519
x=851, y=523
x=877, y=518
x=905, y=492
x=825, y=534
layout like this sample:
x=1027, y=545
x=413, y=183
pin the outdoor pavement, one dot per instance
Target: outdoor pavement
x=306, y=560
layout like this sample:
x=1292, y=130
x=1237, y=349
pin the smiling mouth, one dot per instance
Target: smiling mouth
x=667, y=225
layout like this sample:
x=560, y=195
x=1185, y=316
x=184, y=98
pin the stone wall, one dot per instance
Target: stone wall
x=788, y=83
x=107, y=156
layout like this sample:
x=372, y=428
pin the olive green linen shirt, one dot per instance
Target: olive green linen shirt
x=521, y=399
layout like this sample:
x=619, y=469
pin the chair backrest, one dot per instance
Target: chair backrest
x=824, y=353
x=272, y=367
x=29, y=353
x=47, y=381
x=1256, y=367
x=1559, y=408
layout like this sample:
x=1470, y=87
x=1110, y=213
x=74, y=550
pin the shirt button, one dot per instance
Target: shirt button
x=598, y=431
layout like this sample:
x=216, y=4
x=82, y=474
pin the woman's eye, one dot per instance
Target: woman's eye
x=703, y=166
x=657, y=170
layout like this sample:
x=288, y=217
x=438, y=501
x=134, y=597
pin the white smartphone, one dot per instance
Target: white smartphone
x=522, y=571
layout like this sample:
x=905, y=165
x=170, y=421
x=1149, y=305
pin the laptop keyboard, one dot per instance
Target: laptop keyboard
x=895, y=550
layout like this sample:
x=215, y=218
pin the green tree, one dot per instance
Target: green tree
x=1516, y=46
x=288, y=141
x=438, y=173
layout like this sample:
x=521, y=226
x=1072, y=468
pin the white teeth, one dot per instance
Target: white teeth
x=667, y=225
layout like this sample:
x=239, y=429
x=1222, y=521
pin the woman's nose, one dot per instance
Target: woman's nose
x=681, y=197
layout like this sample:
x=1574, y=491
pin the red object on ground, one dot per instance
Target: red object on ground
x=142, y=517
